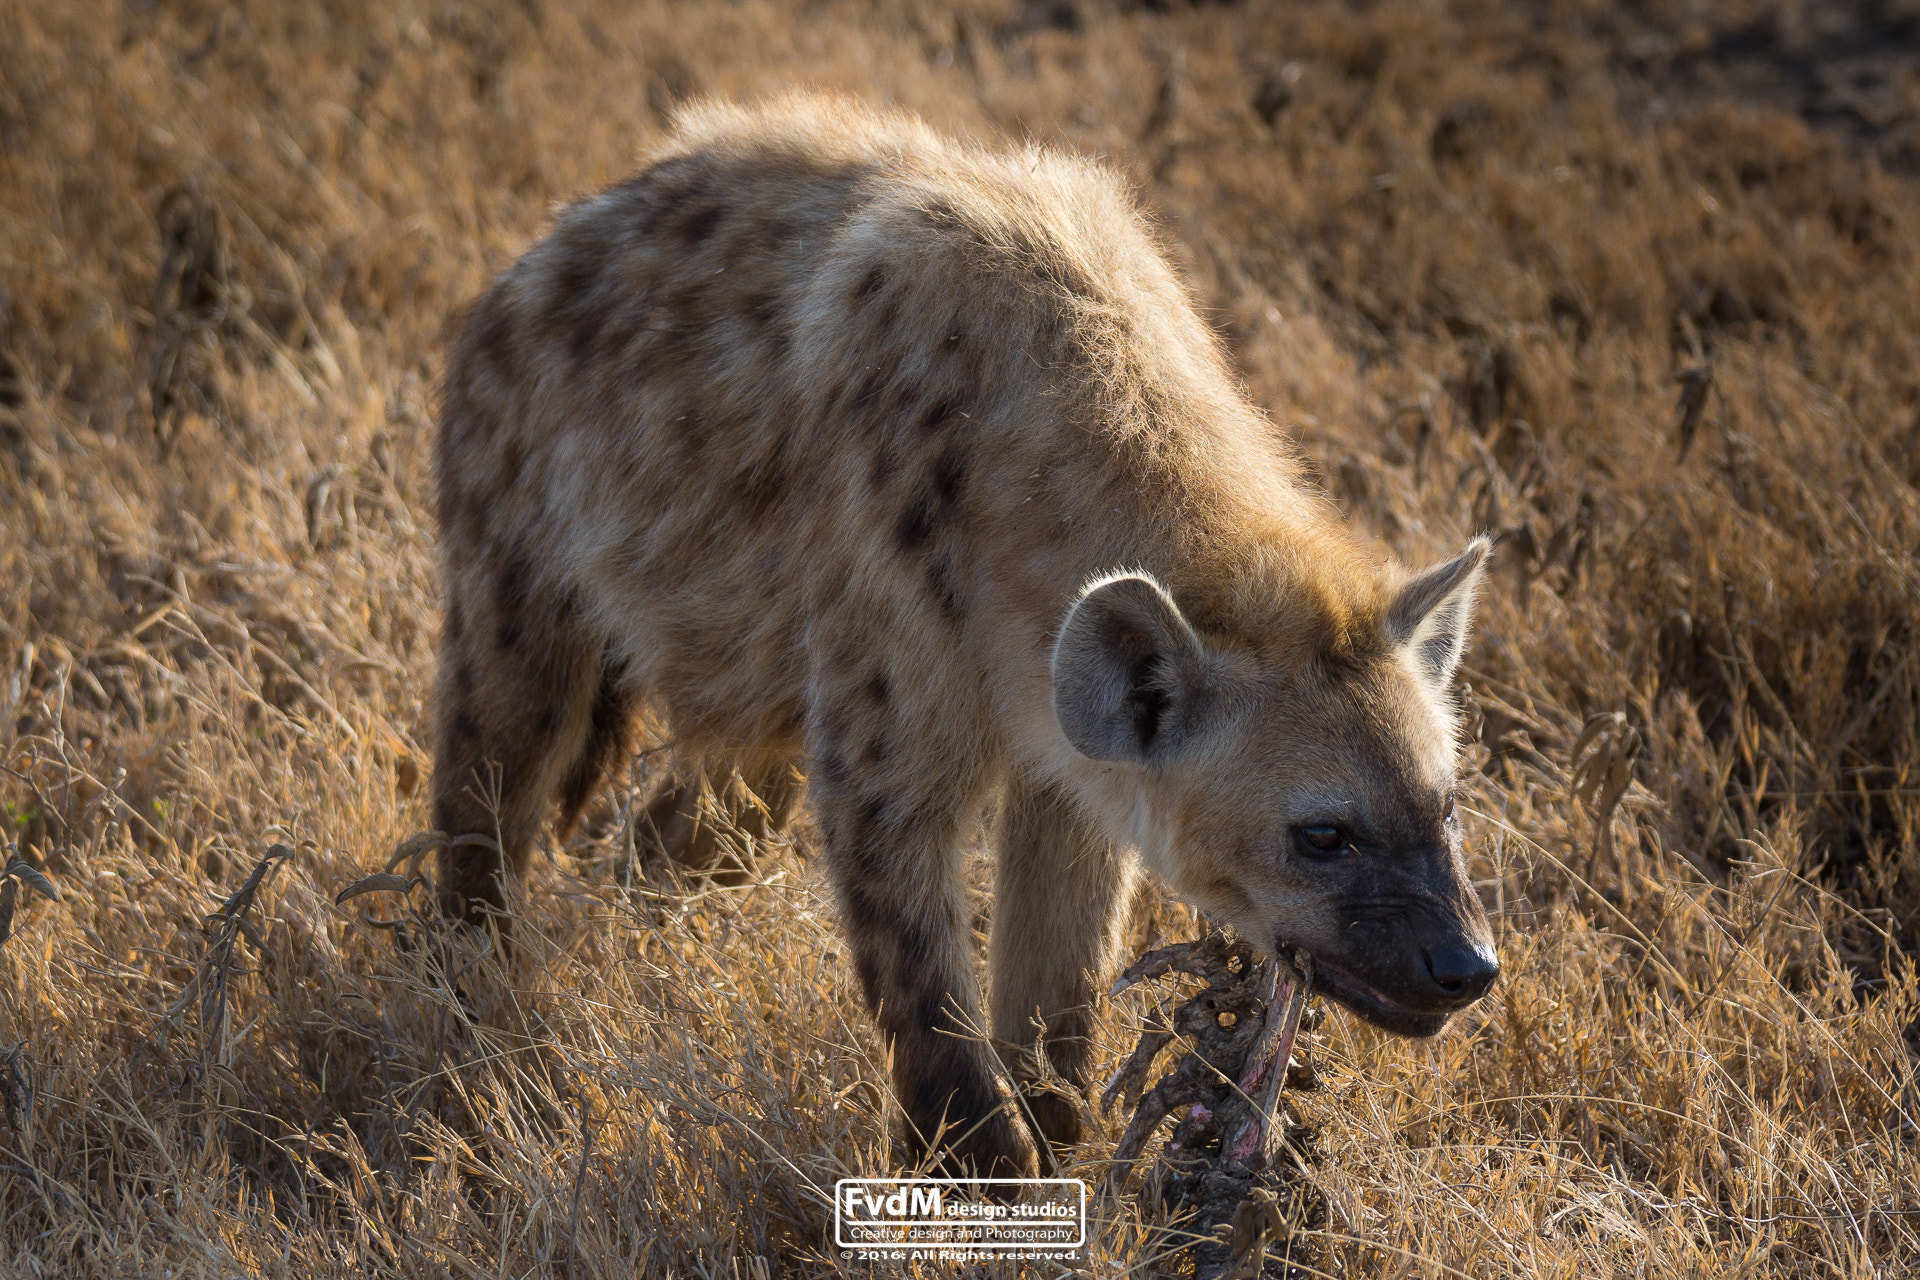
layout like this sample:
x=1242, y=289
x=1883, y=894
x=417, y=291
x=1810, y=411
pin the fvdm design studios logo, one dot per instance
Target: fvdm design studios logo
x=960, y=1219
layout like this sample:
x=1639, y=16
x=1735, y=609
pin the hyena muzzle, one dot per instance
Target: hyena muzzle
x=836, y=442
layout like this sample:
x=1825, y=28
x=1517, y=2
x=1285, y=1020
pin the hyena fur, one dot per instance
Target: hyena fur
x=832, y=440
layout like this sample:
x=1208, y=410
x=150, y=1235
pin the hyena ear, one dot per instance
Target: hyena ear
x=1131, y=679
x=1430, y=615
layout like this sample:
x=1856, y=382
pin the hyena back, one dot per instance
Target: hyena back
x=832, y=440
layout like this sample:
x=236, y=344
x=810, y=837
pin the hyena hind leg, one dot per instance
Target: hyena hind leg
x=1060, y=907
x=528, y=702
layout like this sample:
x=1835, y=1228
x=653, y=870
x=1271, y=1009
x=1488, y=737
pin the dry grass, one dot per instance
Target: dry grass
x=1465, y=259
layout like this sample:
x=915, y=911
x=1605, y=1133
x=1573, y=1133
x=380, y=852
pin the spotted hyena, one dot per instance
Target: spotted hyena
x=835, y=441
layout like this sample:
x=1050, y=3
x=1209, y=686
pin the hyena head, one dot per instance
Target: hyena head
x=1307, y=799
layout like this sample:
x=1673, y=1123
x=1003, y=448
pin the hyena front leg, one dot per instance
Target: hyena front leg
x=1060, y=906
x=529, y=701
x=896, y=864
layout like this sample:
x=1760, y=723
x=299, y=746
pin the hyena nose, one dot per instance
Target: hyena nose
x=1462, y=973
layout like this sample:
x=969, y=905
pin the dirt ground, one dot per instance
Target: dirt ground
x=1636, y=288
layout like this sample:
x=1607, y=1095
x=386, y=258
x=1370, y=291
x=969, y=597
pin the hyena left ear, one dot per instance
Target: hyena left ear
x=1132, y=680
x=1430, y=614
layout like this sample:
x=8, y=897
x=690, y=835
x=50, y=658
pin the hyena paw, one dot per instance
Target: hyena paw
x=1055, y=1120
x=998, y=1146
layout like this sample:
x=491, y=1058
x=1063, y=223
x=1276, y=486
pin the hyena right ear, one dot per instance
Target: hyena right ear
x=1131, y=679
x=1429, y=616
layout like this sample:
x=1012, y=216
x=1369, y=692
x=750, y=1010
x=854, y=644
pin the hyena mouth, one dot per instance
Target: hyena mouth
x=1374, y=1006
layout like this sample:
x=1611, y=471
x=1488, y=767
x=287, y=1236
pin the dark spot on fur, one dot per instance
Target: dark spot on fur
x=860, y=399
x=463, y=682
x=763, y=487
x=870, y=285
x=662, y=180
x=905, y=400
x=876, y=751
x=700, y=224
x=763, y=308
x=507, y=635
x=464, y=731
x=455, y=623
x=494, y=342
x=867, y=916
x=937, y=416
x=582, y=320
x=829, y=769
x=468, y=424
x=833, y=723
x=949, y=476
x=667, y=196
x=915, y=526
x=472, y=519
x=920, y=957
x=872, y=816
x=868, y=924
x=510, y=588
x=548, y=721
x=946, y=481
x=689, y=312
x=940, y=585
x=878, y=691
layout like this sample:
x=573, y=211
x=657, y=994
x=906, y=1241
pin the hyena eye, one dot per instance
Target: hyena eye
x=1322, y=842
x=1446, y=809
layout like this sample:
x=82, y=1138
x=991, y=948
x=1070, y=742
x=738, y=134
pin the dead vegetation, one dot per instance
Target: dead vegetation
x=1490, y=267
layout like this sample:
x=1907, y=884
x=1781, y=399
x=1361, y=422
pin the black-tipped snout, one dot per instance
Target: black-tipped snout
x=1461, y=973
